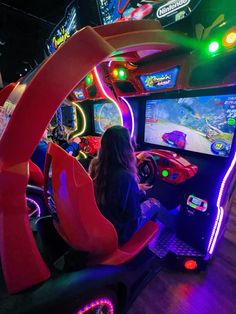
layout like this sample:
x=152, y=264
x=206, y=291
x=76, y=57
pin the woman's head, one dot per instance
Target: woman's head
x=116, y=151
x=116, y=148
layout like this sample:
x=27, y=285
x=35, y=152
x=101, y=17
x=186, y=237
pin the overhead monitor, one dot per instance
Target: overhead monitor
x=166, y=11
x=106, y=114
x=203, y=124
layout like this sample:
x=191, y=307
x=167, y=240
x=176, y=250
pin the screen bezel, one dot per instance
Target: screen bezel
x=182, y=94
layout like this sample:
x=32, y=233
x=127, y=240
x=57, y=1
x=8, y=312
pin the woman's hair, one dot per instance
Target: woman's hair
x=116, y=151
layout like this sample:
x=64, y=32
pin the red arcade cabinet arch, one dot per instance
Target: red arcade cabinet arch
x=22, y=263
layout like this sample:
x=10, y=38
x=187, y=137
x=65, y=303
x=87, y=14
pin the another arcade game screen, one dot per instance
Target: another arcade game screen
x=106, y=114
x=203, y=124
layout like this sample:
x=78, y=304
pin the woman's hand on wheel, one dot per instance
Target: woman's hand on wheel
x=144, y=186
x=143, y=155
x=75, y=140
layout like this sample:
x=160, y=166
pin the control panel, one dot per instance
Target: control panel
x=173, y=168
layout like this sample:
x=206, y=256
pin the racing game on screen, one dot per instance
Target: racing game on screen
x=106, y=115
x=203, y=124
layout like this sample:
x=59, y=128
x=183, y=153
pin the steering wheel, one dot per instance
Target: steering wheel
x=147, y=170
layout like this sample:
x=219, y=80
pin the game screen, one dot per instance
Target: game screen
x=166, y=11
x=159, y=80
x=106, y=115
x=203, y=124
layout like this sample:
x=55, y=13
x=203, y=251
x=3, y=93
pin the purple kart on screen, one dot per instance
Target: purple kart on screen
x=175, y=138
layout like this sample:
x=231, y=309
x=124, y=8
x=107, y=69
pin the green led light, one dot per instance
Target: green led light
x=231, y=121
x=122, y=74
x=165, y=173
x=213, y=47
x=89, y=79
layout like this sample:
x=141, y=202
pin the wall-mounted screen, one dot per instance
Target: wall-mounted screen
x=106, y=114
x=167, y=12
x=79, y=94
x=203, y=124
x=159, y=80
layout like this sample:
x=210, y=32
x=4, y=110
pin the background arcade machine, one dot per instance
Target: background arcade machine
x=99, y=109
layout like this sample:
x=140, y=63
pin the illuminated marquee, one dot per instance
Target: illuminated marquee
x=160, y=80
x=61, y=39
x=64, y=29
x=171, y=7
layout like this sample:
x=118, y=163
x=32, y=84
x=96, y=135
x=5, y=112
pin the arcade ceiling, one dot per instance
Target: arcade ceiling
x=25, y=25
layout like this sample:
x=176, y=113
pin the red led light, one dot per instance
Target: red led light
x=190, y=264
x=103, y=303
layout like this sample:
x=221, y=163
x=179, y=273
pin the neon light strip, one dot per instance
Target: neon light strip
x=105, y=93
x=84, y=120
x=37, y=210
x=216, y=228
x=83, y=154
x=98, y=303
x=131, y=113
x=220, y=211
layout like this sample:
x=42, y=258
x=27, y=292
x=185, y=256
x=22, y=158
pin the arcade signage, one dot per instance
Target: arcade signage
x=160, y=80
x=167, y=12
x=65, y=28
x=79, y=94
x=171, y=7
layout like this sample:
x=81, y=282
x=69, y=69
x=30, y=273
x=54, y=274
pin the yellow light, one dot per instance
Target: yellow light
x=83, y=122
x=115, y=73
x=81, y=154
x=230, y=38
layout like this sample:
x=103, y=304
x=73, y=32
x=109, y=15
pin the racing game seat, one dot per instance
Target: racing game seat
x=36, y=175
x=71, y=201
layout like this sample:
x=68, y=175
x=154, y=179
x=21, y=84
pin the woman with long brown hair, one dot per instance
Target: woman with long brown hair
x=117, y=190
x=115, y=178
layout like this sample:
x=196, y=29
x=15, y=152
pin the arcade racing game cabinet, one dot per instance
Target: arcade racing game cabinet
x=114, y=274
